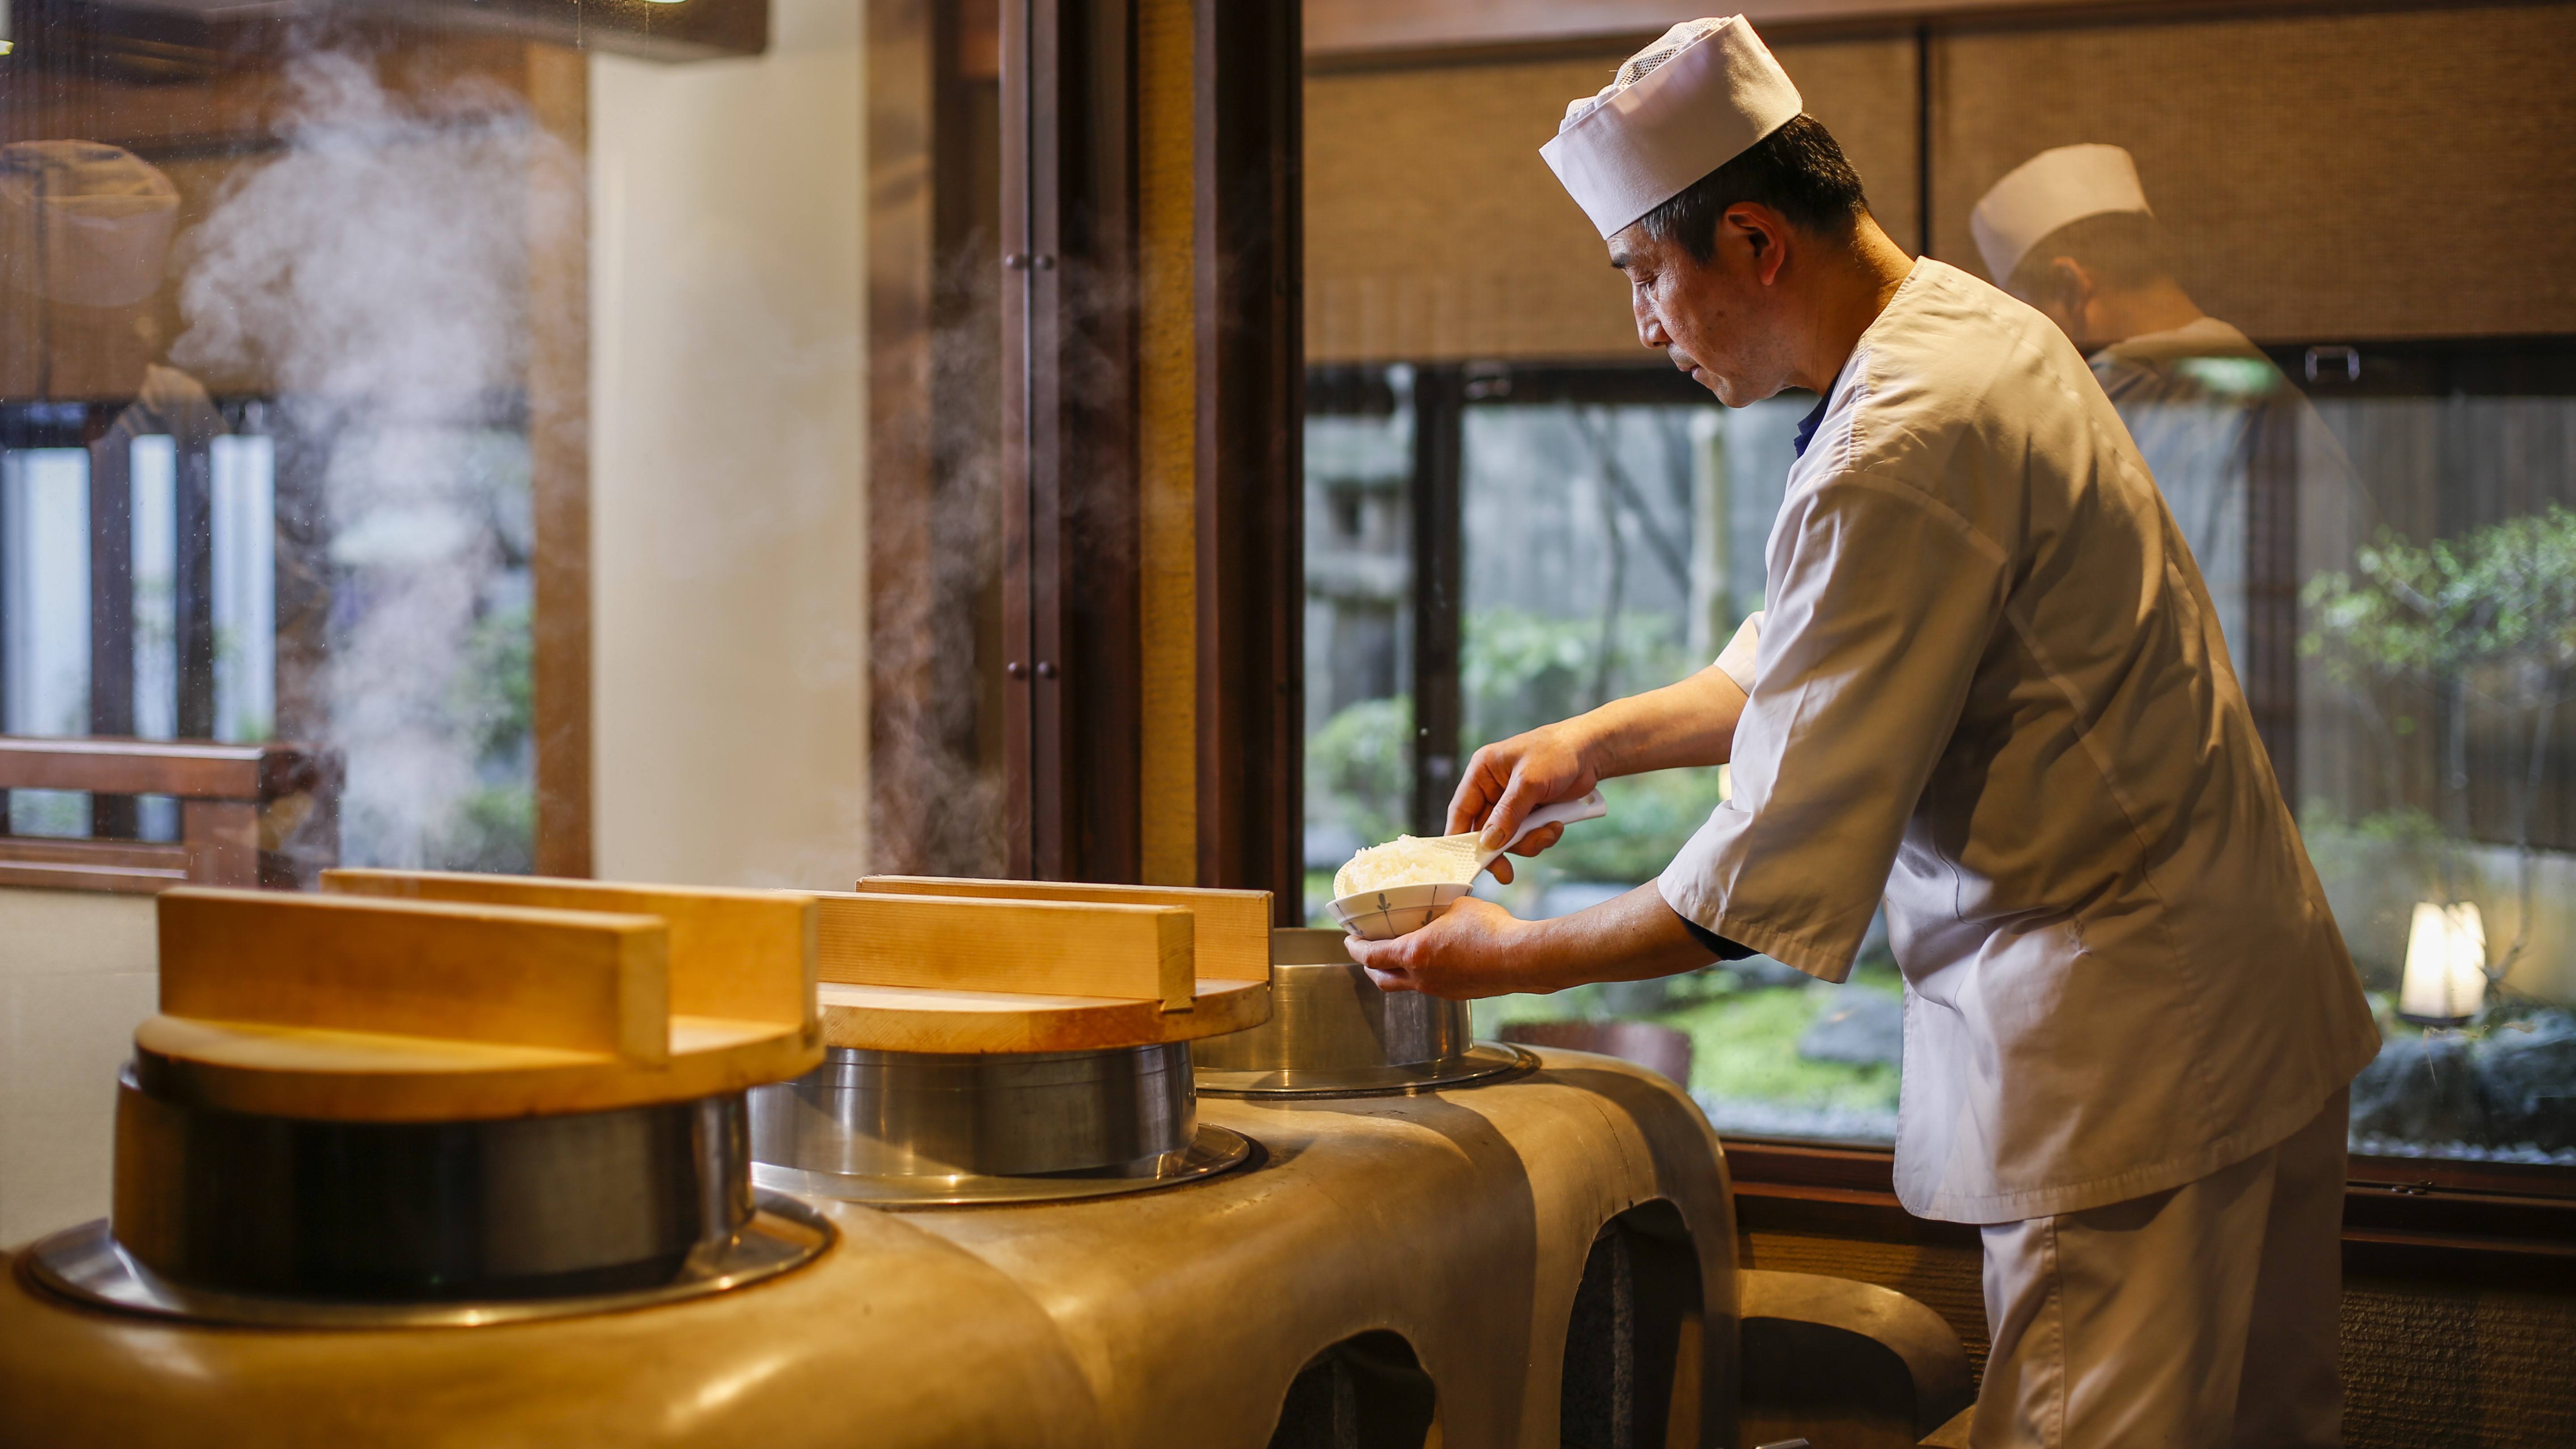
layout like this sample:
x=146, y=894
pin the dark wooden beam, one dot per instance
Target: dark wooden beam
x=1345, y=35
x=1439, y=614
x=696, y=30
x=156, y=44
x=1251, y=382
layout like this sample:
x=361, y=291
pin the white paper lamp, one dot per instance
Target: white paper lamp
x=2446, y=965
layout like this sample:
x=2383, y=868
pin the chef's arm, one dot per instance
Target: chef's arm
x=1679, y=725
x=1481, y=950
x=1689, y=723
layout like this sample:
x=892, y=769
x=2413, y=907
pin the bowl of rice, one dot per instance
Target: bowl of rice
x=1387, y=914
x=1387, y=890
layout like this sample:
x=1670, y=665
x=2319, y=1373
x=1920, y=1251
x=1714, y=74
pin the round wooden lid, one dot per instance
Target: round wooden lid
x=349, y=1008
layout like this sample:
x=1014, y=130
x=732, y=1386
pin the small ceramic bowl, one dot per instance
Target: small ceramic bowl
x=1387, y=914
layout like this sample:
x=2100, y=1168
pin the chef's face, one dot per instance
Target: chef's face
x=1722, y=320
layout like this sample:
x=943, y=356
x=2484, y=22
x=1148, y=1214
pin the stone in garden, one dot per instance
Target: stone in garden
x=2529, y=1081
x=1860, y=1028
x=2425, y=1090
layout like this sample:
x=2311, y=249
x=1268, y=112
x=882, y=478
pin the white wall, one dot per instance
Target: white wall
x=78, y=972
x=729, y=502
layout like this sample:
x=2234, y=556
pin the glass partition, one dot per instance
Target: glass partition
x=269, y=300
x=2367, y=449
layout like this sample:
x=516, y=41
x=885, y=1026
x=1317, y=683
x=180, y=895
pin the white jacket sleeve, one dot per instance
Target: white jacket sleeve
x=1882, y=602
x=1737, y=658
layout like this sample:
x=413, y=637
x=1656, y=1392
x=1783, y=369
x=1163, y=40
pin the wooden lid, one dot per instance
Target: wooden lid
x=918, y=964
x=1232, y=940
x=361, y=1008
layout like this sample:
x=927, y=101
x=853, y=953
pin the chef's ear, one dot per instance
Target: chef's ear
x=1763, y=232
x=2069, y=286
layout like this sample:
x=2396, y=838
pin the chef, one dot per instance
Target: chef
x=2244, y=462
x=1991, y=687
x=85, y=232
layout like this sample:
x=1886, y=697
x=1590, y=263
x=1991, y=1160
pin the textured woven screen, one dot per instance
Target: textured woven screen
x=2379, y=175
x=1433, y=230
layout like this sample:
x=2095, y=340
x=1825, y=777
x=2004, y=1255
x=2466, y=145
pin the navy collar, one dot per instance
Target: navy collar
x=1807, y=425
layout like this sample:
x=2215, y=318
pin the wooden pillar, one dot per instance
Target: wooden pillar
x=558, y=80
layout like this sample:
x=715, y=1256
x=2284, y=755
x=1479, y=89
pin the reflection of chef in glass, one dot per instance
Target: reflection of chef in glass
x=2226, y=435
x=85, y=233
x=1990, y=685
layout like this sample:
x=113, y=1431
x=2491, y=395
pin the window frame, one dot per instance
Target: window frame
x=550, y=86
x=2402, y=1214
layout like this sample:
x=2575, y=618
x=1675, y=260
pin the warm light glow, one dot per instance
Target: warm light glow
x=2446, y=964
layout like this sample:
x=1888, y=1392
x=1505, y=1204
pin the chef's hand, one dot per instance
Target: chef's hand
x=1471, y=951
x=1507, y=780
x=1478, y=949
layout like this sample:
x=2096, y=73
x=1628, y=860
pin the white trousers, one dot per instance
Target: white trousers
x=2198, y=1317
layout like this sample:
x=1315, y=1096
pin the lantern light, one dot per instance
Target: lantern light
x=2446, y=965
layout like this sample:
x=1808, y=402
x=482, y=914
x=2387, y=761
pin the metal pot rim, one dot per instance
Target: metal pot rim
x=85, y=1265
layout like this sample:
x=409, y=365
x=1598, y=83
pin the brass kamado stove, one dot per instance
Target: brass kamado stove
x=442, y=1170
x=390, y=1160
x=359, y=1111
x=1420, y=1228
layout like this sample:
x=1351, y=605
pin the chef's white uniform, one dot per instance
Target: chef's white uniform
x=1990, y=680
x=2247, y=467
x=2194, y=401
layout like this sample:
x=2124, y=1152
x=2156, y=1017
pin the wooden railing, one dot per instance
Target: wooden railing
x=249, y=815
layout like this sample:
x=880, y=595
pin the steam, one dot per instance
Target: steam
x=939, y=791
x=376, y=274
x=938, y=801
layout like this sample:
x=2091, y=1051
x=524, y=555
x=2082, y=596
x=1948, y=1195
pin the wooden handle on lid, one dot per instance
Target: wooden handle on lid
x=1232, y=936
x=1025, y=966
x=1134, y=953
x=742, y=955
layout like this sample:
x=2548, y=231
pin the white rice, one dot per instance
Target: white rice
x=1403, y=861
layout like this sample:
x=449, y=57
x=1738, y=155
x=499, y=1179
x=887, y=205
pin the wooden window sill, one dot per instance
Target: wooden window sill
x=2506, y=1224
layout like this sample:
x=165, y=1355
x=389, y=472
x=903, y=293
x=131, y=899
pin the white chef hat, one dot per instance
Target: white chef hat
x=2046, y=192
x=1697, y=98
x=99, y=217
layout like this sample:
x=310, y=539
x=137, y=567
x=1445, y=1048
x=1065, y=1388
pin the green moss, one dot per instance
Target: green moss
x=1745, y=1046
x=1744, y=1039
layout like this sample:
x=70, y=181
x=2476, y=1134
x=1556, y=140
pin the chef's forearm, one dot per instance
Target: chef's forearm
x=1689, y=723
x=1631, y=938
